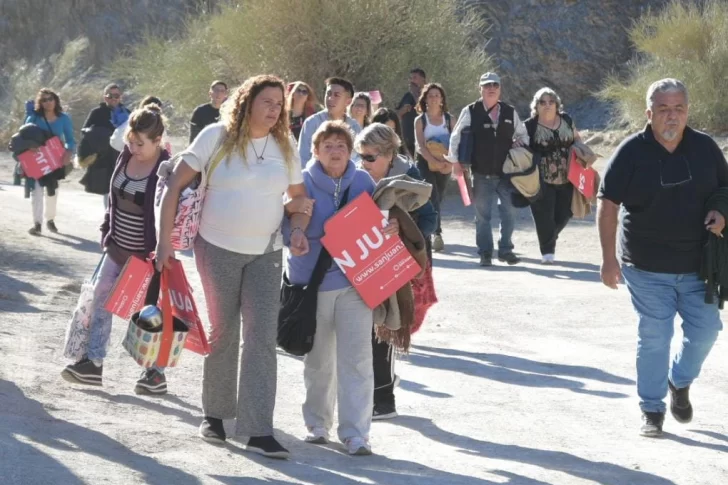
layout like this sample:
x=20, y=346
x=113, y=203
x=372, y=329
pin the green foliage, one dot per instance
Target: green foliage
x=374, y=43
x=687, y=41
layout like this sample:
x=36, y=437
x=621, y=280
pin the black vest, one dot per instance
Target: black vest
x=491, y=146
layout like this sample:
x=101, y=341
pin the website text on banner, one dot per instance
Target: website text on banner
x=47, y=159
x=376, y=265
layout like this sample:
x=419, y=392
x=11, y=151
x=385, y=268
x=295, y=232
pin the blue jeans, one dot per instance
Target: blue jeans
x=657, y=298
x=485, y=192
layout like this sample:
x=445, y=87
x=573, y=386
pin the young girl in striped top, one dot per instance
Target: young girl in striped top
x=128, y=230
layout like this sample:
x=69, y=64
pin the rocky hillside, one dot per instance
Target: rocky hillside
x=569, y=45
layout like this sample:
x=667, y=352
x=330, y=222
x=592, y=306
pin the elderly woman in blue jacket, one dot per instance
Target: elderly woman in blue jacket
x=340, y=362
x=378, y=147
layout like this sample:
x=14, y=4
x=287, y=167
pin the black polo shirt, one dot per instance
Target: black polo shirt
x=663, y=197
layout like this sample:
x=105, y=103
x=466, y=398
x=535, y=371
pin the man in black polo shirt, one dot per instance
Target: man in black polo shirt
x=406, y=107
x=661, y=179
x=495, y=128
x=208, y=113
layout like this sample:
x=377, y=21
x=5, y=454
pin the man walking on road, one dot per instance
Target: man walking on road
x=339, y=93
x=406, y=107
x=208, y=113
x=661, y=179
x=495, y=128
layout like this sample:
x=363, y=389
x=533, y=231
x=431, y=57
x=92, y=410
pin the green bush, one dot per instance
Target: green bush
x=374, y=43
x=687, y=41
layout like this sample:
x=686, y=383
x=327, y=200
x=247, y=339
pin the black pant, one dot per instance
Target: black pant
x=439, y=185
x=551, y=213
x=383, y=359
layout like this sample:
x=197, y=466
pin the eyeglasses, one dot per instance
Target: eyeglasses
x=302, y=92
x=491, y=85
x=113, y=96
x=368, y=158
x=47, y=100
x=544, y=102
x=685, y=177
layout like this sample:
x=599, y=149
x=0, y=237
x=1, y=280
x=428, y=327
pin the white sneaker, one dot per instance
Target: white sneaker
x=548, y=259
x=317, y=436
x=358, y=446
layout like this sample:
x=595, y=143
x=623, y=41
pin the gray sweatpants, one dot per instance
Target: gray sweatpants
x=238, y=285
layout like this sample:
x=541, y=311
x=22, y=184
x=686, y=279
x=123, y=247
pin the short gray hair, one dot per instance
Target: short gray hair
x=665, y=86
x=540, y=94
x=379, y=136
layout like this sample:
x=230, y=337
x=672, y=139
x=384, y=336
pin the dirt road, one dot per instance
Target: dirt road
x=521, y=375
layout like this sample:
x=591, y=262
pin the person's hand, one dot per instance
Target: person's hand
x=299, y=242
x=163, y=254
x=715, y=223
x=391, y=229
x=457, y=170
x=300, y=205
x=610, y=273
x=67, y=157
x=518, y=144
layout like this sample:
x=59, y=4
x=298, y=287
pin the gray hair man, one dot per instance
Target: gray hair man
x=660, y=179
x=495, y=128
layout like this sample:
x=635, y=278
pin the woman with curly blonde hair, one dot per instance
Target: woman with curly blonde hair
x=250, y=161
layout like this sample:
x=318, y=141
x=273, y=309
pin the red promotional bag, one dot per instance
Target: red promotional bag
x=47, y=159
x=127, y=295
x=581, y=177
x=179, y=293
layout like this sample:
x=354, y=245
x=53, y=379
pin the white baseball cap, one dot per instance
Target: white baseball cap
x=489, y=77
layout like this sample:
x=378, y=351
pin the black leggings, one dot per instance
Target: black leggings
x=551, y=213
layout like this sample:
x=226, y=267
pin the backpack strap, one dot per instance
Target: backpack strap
x=447, y=122
x=217, y=157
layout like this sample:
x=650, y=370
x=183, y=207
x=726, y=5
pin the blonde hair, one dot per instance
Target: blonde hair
x=379, y=136
x=235, y=114
x=540, y=94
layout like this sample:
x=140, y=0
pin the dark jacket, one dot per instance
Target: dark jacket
x=491, y=146
x=714, y=262
x=30, y=136
x=150, y=231
x=99, y=128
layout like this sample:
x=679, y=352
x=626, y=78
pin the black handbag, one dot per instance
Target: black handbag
x=297, y=315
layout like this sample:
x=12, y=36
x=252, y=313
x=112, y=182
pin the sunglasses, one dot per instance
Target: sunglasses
x=302, y=92
x=113, y=96
x=491, y=85
x=544, y=102
x=368, y=158
x=46, y=100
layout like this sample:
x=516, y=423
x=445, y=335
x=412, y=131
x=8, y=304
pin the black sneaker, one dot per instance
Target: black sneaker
x=485, y=261
x=680, y=406
x=384, y=411
x=83, y=372
x=267, y=446
x=35, y=230
x=652, y=424
x=151, y=382
x=509, y=258
x=212, y=430
x=52, y=227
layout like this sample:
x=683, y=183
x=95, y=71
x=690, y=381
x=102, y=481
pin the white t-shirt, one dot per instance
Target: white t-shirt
x=243, y=207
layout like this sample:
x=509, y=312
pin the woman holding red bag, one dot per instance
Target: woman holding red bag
x=238, y=255
x=551, y=133
x=128, y=230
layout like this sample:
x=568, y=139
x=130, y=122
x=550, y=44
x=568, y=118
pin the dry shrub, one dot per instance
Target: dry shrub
x=687, y=41
x=64, y=73
x=374, y=43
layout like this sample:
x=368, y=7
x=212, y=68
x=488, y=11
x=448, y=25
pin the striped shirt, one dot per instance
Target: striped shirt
x=129, y=213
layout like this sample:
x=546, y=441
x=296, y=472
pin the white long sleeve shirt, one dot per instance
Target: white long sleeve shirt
x=521, y=134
